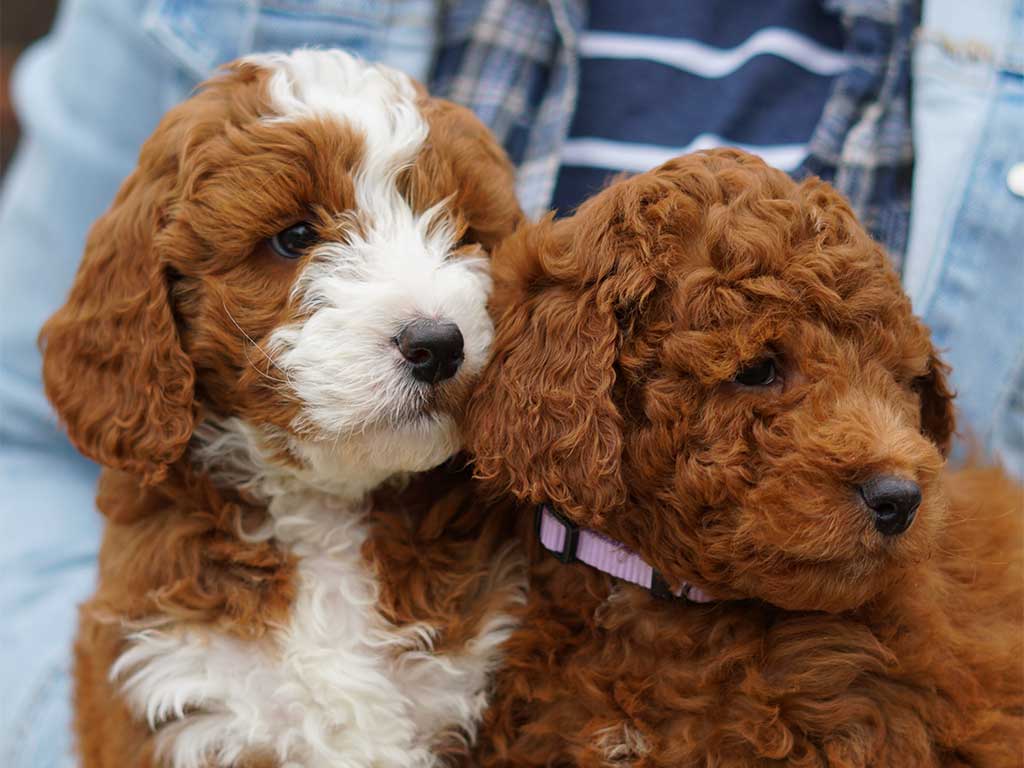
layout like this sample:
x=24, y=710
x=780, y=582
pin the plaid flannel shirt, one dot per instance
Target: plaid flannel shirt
x=514, y=63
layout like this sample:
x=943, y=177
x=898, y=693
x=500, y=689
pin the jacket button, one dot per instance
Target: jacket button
x=1015, y=179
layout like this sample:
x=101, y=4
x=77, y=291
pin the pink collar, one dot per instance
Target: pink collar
x=570, y=544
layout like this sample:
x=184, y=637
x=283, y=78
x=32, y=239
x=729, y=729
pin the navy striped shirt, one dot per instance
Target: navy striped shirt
x=658, y=79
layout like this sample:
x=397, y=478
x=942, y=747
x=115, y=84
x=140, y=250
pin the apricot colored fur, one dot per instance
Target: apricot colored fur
x=610, y=395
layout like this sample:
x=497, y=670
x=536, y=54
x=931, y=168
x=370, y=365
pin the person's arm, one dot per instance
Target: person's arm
x=86, y=96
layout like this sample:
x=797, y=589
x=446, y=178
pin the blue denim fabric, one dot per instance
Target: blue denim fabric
x=87, y=97
x=965, y=263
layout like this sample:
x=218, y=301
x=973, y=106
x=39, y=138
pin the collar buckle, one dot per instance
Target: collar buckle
x=567, y=542
x=660, y=587
x=572, y=533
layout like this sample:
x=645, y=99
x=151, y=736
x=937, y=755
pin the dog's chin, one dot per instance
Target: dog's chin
x=378, y=451
x=832, y=586
x=351, y=463
x=818, y=588
x=413, y=444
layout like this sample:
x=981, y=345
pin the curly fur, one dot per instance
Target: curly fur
x=261, y=598
x=611, y=394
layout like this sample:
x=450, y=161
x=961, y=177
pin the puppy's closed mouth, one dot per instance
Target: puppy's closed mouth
x=417, y=412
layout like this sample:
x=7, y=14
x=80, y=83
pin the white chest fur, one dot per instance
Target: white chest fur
x=339, y=685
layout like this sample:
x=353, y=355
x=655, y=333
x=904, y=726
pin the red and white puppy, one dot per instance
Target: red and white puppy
x=281, y=314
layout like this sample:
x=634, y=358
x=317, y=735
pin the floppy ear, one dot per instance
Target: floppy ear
x=938, y=417
x=543, y=423
x=113, y=365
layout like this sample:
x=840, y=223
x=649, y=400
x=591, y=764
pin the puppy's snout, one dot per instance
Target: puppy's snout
x=433, y=348
x=893, y=501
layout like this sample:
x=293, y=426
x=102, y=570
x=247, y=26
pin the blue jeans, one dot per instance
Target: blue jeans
x=964, y=268
x=87, y=96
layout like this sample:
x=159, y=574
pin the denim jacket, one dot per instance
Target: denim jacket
x=964, y=268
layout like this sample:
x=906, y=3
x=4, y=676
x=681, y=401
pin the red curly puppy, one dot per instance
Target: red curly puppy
x=712, y=384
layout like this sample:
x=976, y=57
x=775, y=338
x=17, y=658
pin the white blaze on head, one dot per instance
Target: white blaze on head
x=376, y=101
x=393, y=268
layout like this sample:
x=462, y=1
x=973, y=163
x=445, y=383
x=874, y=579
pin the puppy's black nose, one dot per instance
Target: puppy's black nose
x=433, y=349
x=893, y=501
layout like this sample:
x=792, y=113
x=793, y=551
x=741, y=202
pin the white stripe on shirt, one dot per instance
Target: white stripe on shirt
x=707, y=61
x=629, y=156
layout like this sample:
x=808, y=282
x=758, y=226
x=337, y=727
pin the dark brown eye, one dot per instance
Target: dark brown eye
x=291, y=243
x=759, y=374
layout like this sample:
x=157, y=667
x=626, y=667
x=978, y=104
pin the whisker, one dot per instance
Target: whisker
x=265, y=374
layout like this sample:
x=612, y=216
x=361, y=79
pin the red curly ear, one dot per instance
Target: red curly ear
x=112, y=362
x=938, y=417
x=543, y=423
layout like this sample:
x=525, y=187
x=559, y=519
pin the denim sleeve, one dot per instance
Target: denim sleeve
x=964, y=268
x=87, y=96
